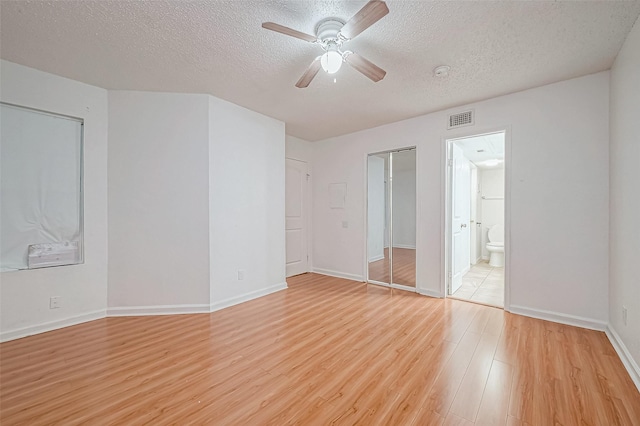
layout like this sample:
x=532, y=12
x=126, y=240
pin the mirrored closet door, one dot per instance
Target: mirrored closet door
x=391, y=218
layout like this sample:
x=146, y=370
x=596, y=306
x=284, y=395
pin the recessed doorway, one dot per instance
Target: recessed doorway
x=296, y=225
x=475, y=219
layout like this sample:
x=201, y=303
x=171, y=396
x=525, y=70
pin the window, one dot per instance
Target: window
x=40, y=189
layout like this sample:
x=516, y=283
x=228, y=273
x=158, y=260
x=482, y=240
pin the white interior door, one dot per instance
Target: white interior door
x=473, y=218
x=460, y=223
x=296, y=217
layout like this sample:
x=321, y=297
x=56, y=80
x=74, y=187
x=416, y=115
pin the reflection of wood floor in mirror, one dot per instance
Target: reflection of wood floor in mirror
x=404, y=267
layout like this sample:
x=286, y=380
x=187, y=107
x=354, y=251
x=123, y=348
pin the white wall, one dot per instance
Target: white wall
x=246, y=201
x=625, y=195
x=82, y=288
x=298, y=149
x=492, y=182
x=559, y=190
x=158, y=200
x=195, y=193
x=492, y=209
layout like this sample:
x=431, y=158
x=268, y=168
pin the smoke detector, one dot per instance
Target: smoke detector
x=441, y=71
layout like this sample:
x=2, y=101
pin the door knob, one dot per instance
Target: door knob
x=463, y=225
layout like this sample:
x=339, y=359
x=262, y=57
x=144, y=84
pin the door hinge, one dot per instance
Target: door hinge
x=308, y=176
x=450, y=162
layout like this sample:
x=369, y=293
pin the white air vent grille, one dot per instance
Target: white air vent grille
x=461, y=119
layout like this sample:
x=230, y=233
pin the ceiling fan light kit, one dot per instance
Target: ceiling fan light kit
x=331, y=61
x=331, y=33
x=329, y=29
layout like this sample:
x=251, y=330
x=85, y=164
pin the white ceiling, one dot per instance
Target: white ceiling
x=479, y=149
x=219, y=47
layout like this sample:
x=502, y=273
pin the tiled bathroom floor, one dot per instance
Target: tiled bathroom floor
x=482, y=284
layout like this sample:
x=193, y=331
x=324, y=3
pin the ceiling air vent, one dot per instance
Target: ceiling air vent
x=461, y=119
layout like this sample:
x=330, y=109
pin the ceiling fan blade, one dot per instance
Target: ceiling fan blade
x=309, y=74
x=371, y=13
x=366, y=67
x=289, y=31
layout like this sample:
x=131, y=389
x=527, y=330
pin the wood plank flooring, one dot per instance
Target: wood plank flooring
x=325, y=351
x=404, y=267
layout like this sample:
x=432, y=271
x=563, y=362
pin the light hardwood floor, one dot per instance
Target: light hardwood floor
x=325, y=350
x=404, y=267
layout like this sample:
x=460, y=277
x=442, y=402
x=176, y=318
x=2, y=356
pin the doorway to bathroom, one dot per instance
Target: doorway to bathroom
x=475, y=219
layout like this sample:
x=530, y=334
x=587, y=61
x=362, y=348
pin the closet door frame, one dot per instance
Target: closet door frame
x=366, y=228
x=389, y=186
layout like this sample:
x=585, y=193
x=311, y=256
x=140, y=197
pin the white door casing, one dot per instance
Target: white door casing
x=473, y=234
x=460, y=221
x=297, y=259
x=376, y=205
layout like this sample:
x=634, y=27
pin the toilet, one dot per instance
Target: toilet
x=495, y=246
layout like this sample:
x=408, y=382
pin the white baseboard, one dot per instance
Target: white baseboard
x=376, y=258
x=430, y=293
x=133, y=311
x=484, y=257
x=624, y=354
x=246, y=297
x=576, y=321
x=50, y=326
x=346, y=276
x=404, y=246
x=127, y=311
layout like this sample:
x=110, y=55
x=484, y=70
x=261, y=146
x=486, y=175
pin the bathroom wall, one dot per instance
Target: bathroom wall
x=492, y=209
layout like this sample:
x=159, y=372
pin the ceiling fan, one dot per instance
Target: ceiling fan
x=331, y=33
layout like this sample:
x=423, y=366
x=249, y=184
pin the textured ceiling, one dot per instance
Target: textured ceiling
x=219, y=47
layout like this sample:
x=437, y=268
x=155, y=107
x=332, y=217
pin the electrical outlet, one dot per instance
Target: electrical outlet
x=54, y=302
x=624, y=315
x=345, y=224
x=240, y=275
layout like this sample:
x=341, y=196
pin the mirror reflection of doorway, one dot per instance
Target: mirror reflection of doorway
x=391, y=218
